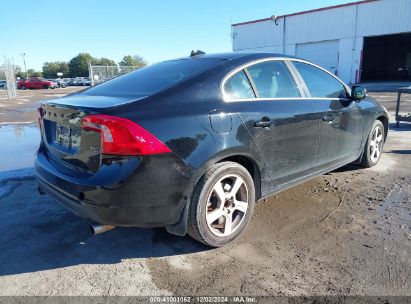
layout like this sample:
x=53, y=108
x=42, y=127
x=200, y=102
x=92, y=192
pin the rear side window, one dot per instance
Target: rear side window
x=319, y=83
x=273, y=80
x=153, y=78
x=238, y=87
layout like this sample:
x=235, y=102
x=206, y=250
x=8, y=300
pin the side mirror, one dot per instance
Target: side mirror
x=358, y=93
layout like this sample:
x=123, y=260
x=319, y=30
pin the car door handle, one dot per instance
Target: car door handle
x=329, y=118
x=265, y=122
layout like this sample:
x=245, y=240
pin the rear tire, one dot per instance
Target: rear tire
x=221, y=205
x=374, y=146
x=46, y=86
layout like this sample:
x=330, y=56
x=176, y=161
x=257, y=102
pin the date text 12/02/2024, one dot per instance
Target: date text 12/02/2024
x=203, y=299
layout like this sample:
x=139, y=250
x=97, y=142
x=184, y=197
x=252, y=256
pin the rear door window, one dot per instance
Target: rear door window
x=238, y=87
x=273, y=80
x=319, y=83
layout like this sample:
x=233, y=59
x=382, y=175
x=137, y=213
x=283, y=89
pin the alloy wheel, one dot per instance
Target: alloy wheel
x=376, y=144
x=227, y=205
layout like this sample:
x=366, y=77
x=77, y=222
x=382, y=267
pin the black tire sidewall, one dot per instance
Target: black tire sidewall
x=206, y=187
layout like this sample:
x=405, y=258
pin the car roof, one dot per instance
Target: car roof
x=238, y=55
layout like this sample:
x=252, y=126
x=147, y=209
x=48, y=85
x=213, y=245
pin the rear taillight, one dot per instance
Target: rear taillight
x=120, y=136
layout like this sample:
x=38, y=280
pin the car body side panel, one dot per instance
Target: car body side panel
x=371, y=110
x=192, y=138
x=341, y=130
x=289, y=146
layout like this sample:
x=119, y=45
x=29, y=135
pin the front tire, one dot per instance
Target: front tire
x=374, y=146
x=221, y=205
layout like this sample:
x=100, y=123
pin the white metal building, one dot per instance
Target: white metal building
x=361, y=41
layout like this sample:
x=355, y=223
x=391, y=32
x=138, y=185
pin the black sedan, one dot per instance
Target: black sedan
x=191, y=144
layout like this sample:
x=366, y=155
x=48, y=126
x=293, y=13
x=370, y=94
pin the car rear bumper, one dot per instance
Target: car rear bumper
x=150, y=195
x=77, y=207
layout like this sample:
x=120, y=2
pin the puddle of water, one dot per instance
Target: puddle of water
x=5, y=189
x=18, y=146
x=56, y=95
x=32, y=108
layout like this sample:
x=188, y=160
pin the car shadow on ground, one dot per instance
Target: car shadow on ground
x=347, y=168
x=403, y=127
x=38, y=234
x=404, y=152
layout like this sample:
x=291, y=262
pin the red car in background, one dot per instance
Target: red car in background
x=36, y=83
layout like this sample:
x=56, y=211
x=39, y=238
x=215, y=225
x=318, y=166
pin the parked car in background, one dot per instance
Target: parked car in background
x=61, y=82
x=82, y=81
x=78, y=81
x=36, y=83
x=3, y=84
x=191, y=144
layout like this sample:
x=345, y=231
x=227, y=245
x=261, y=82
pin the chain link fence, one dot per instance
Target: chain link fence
x=101, y=73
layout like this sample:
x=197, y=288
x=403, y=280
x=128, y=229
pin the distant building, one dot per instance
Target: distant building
x=362, y=41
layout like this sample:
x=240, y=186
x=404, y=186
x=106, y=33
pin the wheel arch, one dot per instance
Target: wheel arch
x=242, y=158
x=384, y=120
x=251, y=166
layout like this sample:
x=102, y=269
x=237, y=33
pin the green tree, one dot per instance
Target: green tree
x=135, y=60
x=50, y=69
x=34, y=73
x=21, y=75
x=104, y=61
x=78, y=66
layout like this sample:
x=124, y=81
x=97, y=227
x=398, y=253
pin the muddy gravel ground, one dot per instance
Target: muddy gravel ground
x=344, y=233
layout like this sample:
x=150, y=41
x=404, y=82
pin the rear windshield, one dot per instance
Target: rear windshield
x=153, y=78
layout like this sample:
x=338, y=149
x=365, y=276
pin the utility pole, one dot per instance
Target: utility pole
x=24, y=61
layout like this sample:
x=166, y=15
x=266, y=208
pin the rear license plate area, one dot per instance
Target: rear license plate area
x=67, y=136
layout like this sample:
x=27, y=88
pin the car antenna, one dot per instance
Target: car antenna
x=196, y=53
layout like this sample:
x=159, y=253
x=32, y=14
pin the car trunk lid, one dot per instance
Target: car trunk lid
x=93, y=103
x=65, y=140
